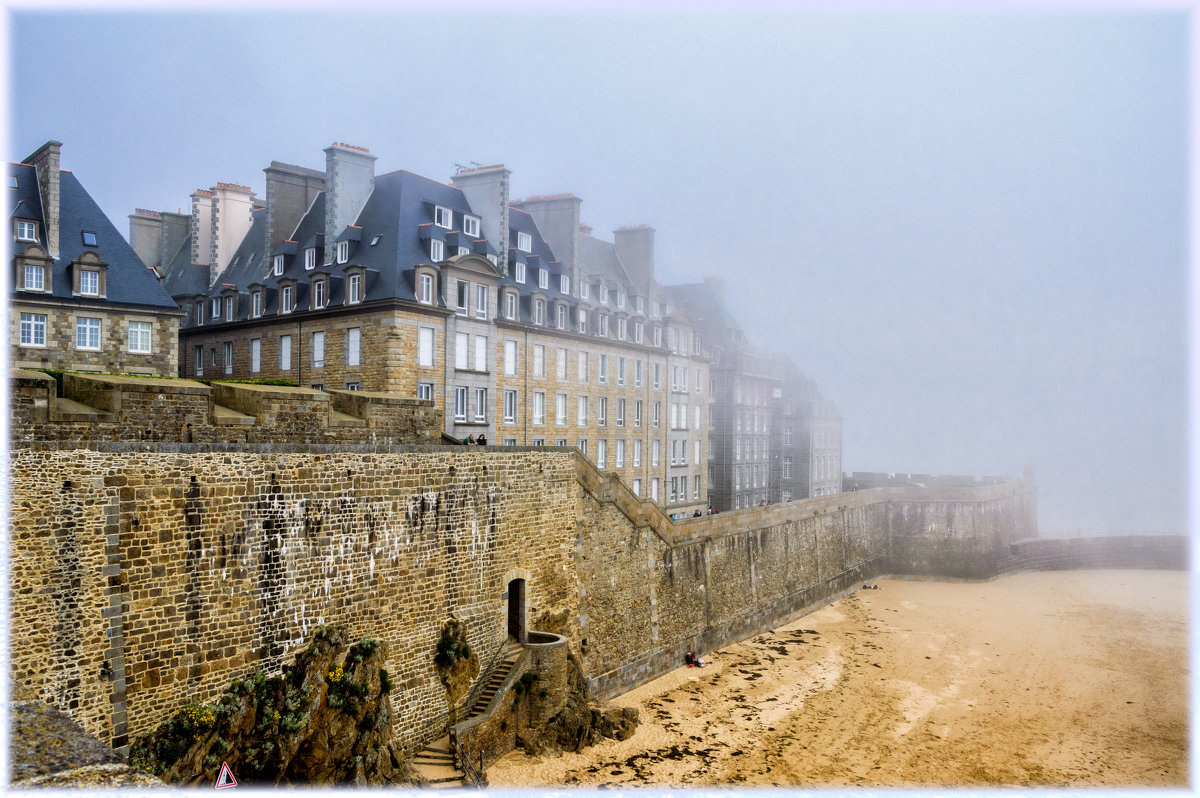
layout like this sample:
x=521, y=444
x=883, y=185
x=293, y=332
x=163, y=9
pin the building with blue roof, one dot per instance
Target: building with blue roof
x=81, y=299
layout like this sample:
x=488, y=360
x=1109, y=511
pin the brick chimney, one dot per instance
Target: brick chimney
x=45, y=162
x=231, y=207
x=635, y=248
x=486, y=189
x=557, y=219
x=290, y=192
x=349, y=181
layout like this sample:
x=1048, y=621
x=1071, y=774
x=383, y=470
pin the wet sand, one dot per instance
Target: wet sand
x=1051, y=679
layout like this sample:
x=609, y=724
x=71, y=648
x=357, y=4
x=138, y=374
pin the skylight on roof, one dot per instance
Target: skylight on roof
x=12, y=181
x=89, y=238
x=375, y=240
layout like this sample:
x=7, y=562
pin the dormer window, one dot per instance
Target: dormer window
x=464, y=250
x=35, y=277
x=639, y=304
x=354, y=289
x=562, y=317
x=655, y=309
x=26, y=230
x=510, y=305
x=471, y=226
x=564, y=284
x=539, y=311
x=310, y=258
x=214, y=310
x=525, y=242
x=320, y=294
x=89, y=282
x=603, y=331
x=229, y=308
x=543, y=279
x=277, y=268
x=583, y=290
x=621, y=327
x=343, y=251
x=604, y=295
x=437, y=250
x=582, y=320
x=256, y=304
x=89, y=238
x=495, y=261
x=375, y=240
x=637, y=332
x=620, y=298
x=425, y=288
x=520, y=272
x=287, y=299
x=443, y=217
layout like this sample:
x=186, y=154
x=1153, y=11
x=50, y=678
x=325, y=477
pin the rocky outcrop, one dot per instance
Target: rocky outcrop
x=326, y=720
x=580, y=723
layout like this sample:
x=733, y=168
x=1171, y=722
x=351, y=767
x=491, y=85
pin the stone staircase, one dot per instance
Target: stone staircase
x=436, y=762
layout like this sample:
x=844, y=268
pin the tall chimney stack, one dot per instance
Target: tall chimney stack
x=557, y=219
x=635, y=248
x=202, y=231
x=349, y=181
x=45, y=162
x=486, y=189
x=231, y=208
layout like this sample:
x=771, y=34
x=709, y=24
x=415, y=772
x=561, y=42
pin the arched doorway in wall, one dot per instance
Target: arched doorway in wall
x=515, y=593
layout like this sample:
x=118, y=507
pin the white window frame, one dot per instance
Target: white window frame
x=317, y=349
x=255, y=355
x=582, y=317
x=481, y=405
x=603, y=370
x=38, y=273
x=637, y=412
x=510, y=406
x=310, y=259
x=581, y=412
x=319, y=294
x=256, y=304
x=637, y=452
x=354, y=289
x=89, y=282
x=603, y=327
x=519, y=272
x=564, y=284
x=437, y=250
x=602, y=453
x=198, y=360
x=227, y=356
x=285, y=353
x=425, y=391
x=471, y=225
x=561, y=313
x=510, y=305
x=26, y=230
x=425, y=288
x=582, y=366
x=539, y=361
x=524, y=242
x=460, y=403
x=286, y=301
x=560, y=409
x=443, y=217
x=354, y=346
x=560, y=364
x=583, y=289
x=481, y=301
x=619, y=459
x=462, y=297
x=602, y=411
x=620, y=371
x=90, y=331
x=343, y=251
x=544, y=279
x=539, y=409
x=539, y=311
x=140, y=337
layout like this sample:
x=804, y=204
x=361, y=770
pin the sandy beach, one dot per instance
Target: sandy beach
x=1049, y=679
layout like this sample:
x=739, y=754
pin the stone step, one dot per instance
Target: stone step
x=71, y=410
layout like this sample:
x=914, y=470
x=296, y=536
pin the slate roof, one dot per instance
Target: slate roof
x=182, y=277
x=128, y=280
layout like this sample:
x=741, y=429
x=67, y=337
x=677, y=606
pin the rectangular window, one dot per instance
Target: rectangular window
x=564, y=284
x=674, y=415
x=637, y=332
x=654, y=489
x=581, y=417
x=583, y=366
x=674, y=378
x=89, y=282
x=463, y=290
x=425, y=390
x=620, y=298
x=620, y=371
x=460, y=350
x=318, y=350
x=510, y=406
x=35, y=278
x=637, y=453
x=425, y=289
x=539, y=360
x=481, y=404
x=343, y=251
x=620, y=458
x=639, y=304
x=696, y=453
x=26, y=231
x=583, y=290
x=787, y=468
x=657, y=376
x=583, y=446
x=519, y=272
x=637, y=413
x=539, y=408
x=561, y=317
x=539, y=311
x=355, y=289
x=229, y=306
x=582, y=317
x=543, y=279
x=256, y=304
x=352, y=386
x=437, y=250
x=481, y=301
x=696, y=488
x=602, y=453
x=637, y=487
x=425, y=346
x=198, y=360
x=354, y=346
x=656, y=415
x=87, y=333
x=510, y=305
x=655, y=451
x=787, y=434
x=285, y=299
x=481, y=352
x=525, y=242
x=683, y=384
x=603, y=319
x=510, y=358
x=604, y=295
x=256, y=354
x=471, y=226
x=215, y=311
x=698, y=376
x=602, y=411
x=620, y=412
x=460, y=404
x=560, y=364
x=227, y=356
x=621, y=326
x=310, y=260
x=443, y=217
x=696, y=416
x=658, y=336
x=560, y=409
x=285, y=353
x=603, y=369
x=674, y=489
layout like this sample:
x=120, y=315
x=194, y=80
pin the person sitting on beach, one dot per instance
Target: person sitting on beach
x=690, y=659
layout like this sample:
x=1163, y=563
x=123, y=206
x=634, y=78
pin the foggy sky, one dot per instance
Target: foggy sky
x=969, y=228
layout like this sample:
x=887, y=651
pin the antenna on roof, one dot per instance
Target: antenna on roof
x=476, y=164
x=459, y=168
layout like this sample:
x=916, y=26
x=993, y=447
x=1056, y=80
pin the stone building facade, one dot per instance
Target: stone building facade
x=398, y=283
x=81, y=298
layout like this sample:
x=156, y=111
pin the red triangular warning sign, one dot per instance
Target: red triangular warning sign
x=226, y=778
